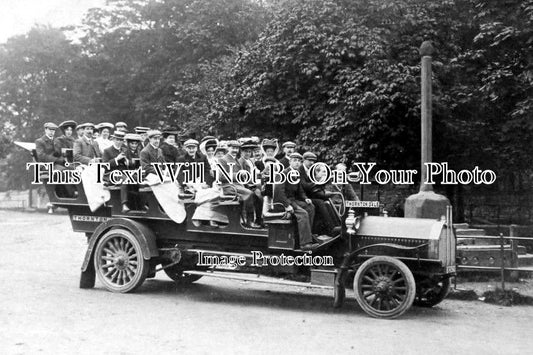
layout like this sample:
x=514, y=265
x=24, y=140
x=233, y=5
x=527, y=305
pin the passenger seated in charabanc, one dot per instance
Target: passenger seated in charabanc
x=168, y=145
x=324, y=222
x=296, y=202
x=151, y=153
x=64, y=144
x=255, y=203
x=86, y=149
x=123, y=156
x=46, y=153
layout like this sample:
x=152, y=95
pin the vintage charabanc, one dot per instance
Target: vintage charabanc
x=391, y=263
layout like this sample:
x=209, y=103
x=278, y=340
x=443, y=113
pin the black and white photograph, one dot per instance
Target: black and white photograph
x=266, y=176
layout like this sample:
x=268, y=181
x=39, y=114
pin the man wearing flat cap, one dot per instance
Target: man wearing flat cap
x=230, y=159
x=293, y=197
x=255, y=203
x=151, y=153
x=117, y=157
x=318, y=195
x=86, y=150
x=288, y=149
x=44, y=147
x=121, y=126
x=194, y=157
x=65, y=143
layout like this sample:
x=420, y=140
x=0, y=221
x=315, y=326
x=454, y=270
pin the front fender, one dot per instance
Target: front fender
x=145, y=236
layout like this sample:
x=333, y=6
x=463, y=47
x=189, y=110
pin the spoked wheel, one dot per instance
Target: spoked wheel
x=119, y=261
x=430, y=292
x=384, y=287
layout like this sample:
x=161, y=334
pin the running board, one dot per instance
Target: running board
x=255, y=278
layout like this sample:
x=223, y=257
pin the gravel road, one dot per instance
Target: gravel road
x=42, y=310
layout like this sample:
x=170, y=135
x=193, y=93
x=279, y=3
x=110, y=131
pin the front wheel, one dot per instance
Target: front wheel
x=119, y=261
x=384, y=287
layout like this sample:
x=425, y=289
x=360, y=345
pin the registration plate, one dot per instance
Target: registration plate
x=362, y=204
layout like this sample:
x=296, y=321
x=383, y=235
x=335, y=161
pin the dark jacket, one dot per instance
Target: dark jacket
x=63, y=142
x=109, y=157
x=285, y=162
x=284, y=193
x=150, y=155
x=312, y=190
x=85, y=150
x=198, y=158
x=46, y=153
x=170, y=153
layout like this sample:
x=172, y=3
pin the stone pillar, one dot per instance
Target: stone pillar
x=426, y=203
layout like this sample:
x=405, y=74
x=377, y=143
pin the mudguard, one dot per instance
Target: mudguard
x=144, y=235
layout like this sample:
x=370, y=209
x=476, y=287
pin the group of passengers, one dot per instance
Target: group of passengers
x=113, y=144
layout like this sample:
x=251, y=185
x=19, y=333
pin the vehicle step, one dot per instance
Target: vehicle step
x=254, y=278
x=469, y=231
x=460, y=226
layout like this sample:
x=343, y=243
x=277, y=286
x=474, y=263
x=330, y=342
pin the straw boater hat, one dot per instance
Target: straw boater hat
x=141, y=129
x=85, y=125
x=133, y=137
x=118, y=134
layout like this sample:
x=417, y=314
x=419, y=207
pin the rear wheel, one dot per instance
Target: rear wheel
x=430, y=292
x=384, y=287
x=119, y=261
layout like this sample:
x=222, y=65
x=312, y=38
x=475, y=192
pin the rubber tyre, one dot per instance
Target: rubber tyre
x=384, y=287
x=431, y=296
x=119, y=261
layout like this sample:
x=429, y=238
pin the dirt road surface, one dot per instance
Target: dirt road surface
x=42, y=311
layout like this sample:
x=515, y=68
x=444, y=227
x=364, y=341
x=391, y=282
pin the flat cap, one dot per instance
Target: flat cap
x=121, y=124
x=141, y=129
x=234, y=143
x=310, y=156
x=50, y=125
x=104, y=125
x=118, y=134
x=153, y=133
x=190, y=142
x=68, y=123
x=133, y=137
x=296, y=155
x=289, y=144
x=85, y=125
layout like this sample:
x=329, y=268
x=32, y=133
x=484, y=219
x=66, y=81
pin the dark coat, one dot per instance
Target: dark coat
x=85, y=150
x=170, y=153
x=109, y=157
x=285, y=192
x=312, y=190
x=198, y=158
x=285, y=162
x=150, y=155
x=63, y=142
x=46, y=153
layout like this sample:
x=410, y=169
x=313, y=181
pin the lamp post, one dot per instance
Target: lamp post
x=426, y=203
